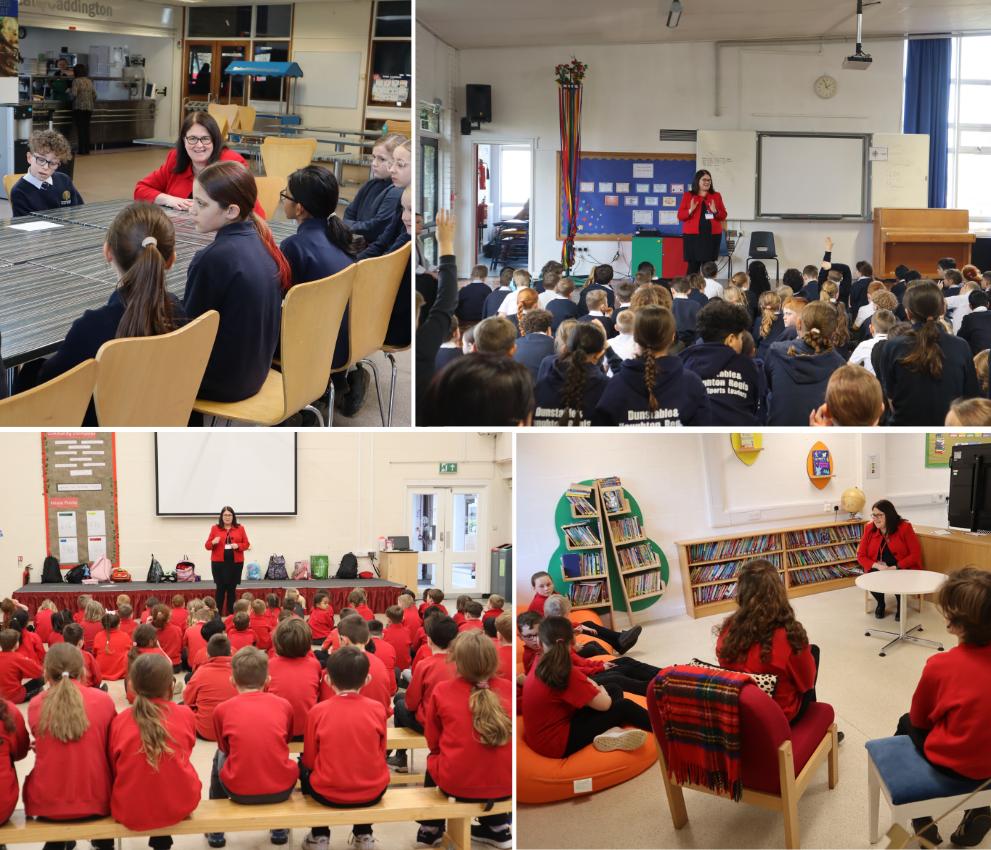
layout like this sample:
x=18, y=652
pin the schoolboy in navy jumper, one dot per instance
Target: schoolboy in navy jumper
x=810, y=288
x=373, y=206
x=654, y=388
x=923, y=371
x=731, y=379
x=561, y=307
x=570, y=389
x=976, y=326
x=858, y=289
x=44, y=187
x=536, y=342
x=685, y=310
x=599, y=309
x=601, y=278
x=494, y=300
x=242, y=275
x=451, y=347
x=798, y=370
x=472, y=297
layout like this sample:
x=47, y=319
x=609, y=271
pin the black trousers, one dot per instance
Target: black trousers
x=358, y=828
x=628, y=675
x=491, y=821
x=603, y=634
x=404, y=718
x=81, y=118
x=586, y=723
x=227, y=577
x=809, y=696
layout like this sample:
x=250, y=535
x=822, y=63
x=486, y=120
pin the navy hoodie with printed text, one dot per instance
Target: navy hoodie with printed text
x=680, y=395
x=797, y=382
x=551, y=385
x=731, y=381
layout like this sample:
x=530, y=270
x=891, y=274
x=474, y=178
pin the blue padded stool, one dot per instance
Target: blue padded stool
x=911, y=785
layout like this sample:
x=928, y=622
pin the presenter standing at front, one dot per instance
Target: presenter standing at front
x=702, y=215
x=228, y=541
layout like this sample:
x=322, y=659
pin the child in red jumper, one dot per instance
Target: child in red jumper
x=150, y=604
x=347, y=729
x=272, y=609
x=110, y=649
x=71, y=726
x=207, y=631
x=496, y=605
x=460, y=603
x=473, y=616
x=253, y=729
x=43, y=619
x=469, y=732
x=321, y=617
x=15, y=667
x=241, y=636
x=126, y=614
x=294, y=672
x=384, y=651
x=240, y=605
x=210, y=686
x=92, y=677
x=411, y=616
x=432, y=596
x=357, y=599
x=145, y=643
x=92, y=623
x=31, y=644
x=14, y=745
x=192, y=638
x=169, y=635
x=504, y=647
x=81, y=604
x=382, y=681
x=259, y=623
x=180, y=616
x=398, y=635
x=949, y=722
x=150, y=746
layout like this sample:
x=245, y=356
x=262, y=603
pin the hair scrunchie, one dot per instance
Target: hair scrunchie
x=149, y=240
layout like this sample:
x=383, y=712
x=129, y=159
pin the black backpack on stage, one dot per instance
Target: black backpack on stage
x=77, y=574
x=50, y=572
x=348, y=570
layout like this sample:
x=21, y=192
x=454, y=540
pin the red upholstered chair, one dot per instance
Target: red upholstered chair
x=777, y=759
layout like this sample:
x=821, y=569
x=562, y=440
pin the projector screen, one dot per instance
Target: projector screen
x=811, y=176
x=196, y=474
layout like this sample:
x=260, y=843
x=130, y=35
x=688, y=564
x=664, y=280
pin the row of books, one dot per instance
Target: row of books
x=824, y=536
x=581, y=535
x=813, y=575
x=638, y=555
x=613, y=501
x=579, y=564
x=625, y=529
x=725, y=570
x=612, y=481
x=809, y=557
x=587, y=592
x=580, y=498
x=642, y=583
x=713, y=593
x=734, y=548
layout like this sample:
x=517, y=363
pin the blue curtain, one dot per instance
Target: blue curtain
x=927, y=102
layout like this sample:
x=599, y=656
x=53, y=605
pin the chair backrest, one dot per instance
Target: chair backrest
x=269, y=189
x=153, y=380
x=311, y=319
x=282, y=157
x=375, y=291
x=62, y=401
x=8, y=182
x=224, y=112
x=403, y=128
x=762, y=245
x=245, y=118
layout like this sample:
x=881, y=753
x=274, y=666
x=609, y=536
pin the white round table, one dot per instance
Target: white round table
x=902, y=583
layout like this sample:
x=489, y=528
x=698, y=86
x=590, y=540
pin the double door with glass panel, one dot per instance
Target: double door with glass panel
x=446, y=526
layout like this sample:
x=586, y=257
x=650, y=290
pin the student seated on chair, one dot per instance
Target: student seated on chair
x=375, y=202
x=141, y=247
x=396, y=233
x=44, y=187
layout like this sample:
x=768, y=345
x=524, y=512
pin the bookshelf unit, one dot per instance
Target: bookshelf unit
x=809, y=558
x=585, y=554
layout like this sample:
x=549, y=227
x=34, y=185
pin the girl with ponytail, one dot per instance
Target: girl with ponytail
x=71, y=727
x=526, y=300
x=169, y=635
x=150, y=745
x=653, y=388
x=769, y=324
x=242, y=274
x=569, y=390
x=111, y=648
x=469, y=732
x=145, y=639
x=923, y=371
x=565, y=711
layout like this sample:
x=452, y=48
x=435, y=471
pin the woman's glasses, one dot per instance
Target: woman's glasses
x=193, y=141
x=285, y=196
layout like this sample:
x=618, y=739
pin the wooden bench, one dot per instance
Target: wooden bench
x=396, y=739
x=398, y=805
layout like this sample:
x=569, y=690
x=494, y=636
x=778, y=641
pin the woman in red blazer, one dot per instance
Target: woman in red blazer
x=171, y=185
x=888, y=543
x=702, y=215
x=228, y=541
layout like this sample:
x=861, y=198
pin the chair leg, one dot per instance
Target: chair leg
x=834, y=757
x=316, y=413
x=331, y=392
x=674, y=793
x=378, y=394
x=789, y=796
x=392, y=387
x=873, y=802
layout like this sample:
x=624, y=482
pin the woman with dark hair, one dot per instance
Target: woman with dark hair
x=888, y=543
x=83, y=96
x=480, y=389
x=702, y=215
x=227, y=543
x=199, y=144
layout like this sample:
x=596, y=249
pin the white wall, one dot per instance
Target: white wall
x=352, y=490
x=691, y=486
x=633, y=91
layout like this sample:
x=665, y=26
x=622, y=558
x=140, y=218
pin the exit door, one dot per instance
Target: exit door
x=446, y=526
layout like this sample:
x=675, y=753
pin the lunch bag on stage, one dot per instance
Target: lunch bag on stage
x=120, y=575
x=185, y=570
x=276, y=569
x=155, y=572
x=320, y=567
x=50, y=572
x=348, y=569
x=301, y=571
x=254, y=571
x=101, y=569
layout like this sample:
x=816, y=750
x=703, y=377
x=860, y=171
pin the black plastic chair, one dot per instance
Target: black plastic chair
x=762, y=248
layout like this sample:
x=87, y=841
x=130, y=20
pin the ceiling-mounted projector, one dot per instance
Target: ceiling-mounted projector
x=860, y=61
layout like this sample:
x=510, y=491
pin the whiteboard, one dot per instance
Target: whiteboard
x=900, y=176
x=252, y=471
x=329, y=79
x=731, y=157
x=810, y=176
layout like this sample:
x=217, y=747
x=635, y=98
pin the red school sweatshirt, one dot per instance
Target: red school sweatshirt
x=296, y=680
x=254, y=729
x=15, y=667
x=208, y=687
x=14, y=745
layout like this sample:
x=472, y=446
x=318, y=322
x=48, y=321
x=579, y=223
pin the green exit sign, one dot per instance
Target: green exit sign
x=448, y=468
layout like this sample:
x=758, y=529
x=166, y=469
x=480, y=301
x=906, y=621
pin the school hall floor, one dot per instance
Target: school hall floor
x=105, y=176
x=868, y=693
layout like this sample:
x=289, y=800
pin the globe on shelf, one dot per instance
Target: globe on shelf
x=853, y=501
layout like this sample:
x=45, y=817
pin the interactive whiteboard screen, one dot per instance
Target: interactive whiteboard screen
x=197, y=474
x=811, y=176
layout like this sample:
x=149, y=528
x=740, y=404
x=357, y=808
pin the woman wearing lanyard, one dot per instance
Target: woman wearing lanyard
x=228, y=541
x=888, y=543
x=702, y=215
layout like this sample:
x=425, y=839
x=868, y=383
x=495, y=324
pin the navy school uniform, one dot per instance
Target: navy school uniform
x=493, y=301
x=686, y=313
x=810, y=292
x=975, y=330
x=561, y=309
x=446, y=356
x=532, y=349
x=917, y=399
x=773, y=334
x=698, y=296
x=858, y=294
x=28, y=195
x=606, y=321
x=731, y=381
x=399, y=333
x=236, y=276
x=610, y=296
x=797, y=382
x=471, y=301
x=680, y=394
x=550, y=386
x=372, y=209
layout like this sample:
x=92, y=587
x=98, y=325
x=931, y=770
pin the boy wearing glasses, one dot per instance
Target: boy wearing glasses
x=44, y=187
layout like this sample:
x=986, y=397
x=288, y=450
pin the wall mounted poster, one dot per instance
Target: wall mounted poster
x=80, y=475
x=939, y=447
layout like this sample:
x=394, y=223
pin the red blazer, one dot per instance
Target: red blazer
x=164, y=180
x=904, y=545
x=690, y=223
x=238, y=536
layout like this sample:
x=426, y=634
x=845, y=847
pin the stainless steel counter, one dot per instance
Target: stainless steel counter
x=115, y=122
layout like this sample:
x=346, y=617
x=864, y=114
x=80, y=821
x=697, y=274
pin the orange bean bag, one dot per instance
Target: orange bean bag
x=547, y=780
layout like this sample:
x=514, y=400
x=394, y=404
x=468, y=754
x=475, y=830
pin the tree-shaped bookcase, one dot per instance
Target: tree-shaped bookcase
x=605, y=561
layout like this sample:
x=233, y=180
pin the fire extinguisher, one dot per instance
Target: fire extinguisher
x=26, y=575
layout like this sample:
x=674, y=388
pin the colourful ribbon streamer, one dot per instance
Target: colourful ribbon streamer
x=570, y=110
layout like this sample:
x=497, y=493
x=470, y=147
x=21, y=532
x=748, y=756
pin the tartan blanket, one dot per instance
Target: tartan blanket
x=701, y=712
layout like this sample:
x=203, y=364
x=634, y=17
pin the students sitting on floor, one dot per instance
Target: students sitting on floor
x=570, y=389
x=73, y=635
x=110, y=648
x=16, y=743
x=598, y=281
x=535, y=342
x=480, y=389
x=623, y=345
x=210, y=685
x=769, y=324
x=495, y=335
x=559, y=304
x=240, y=633
x=521, y=281
x=44, y=187
x=294, y=672
x=473, y=295
x=599, y=310
x=397, y=635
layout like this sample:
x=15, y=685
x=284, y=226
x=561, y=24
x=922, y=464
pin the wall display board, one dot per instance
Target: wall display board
x=80, y=475
x=939, y=447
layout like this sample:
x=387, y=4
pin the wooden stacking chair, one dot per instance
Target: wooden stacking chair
x=60, y=402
